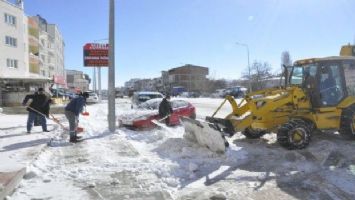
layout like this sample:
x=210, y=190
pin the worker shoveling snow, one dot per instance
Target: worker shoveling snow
x=205, y=135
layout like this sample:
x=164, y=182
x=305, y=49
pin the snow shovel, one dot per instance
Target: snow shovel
x=78, y=129
x=85, y=113
x=158, y=122
x=205, y=134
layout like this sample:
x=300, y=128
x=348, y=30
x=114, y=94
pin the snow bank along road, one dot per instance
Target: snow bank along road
x=159, y=164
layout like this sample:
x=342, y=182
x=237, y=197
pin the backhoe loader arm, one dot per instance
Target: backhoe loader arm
x=238, y=109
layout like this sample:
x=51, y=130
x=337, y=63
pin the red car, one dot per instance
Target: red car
x=142, y=117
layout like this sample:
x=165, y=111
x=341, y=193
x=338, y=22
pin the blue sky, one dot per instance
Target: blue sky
x=155, y=35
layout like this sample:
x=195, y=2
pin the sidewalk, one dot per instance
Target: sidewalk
x=18, y=149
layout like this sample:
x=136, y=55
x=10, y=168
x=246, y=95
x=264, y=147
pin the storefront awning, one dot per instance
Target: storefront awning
x=24, y=79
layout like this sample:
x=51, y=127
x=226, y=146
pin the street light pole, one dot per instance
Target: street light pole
x=111, y=72
x=247, y=47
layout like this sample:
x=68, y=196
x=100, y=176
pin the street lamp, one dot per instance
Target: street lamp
x=247, y=47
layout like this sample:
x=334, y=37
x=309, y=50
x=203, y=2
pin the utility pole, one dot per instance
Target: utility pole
x=94, y=79
x=99, y=84
x=111, y=72
x=247, y=47
x=99, y=75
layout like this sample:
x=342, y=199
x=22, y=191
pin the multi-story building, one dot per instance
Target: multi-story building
x=13, y=37
x=154, y=84
x=131, y=83
x=31, y=53
x=15, y=79
x=77, y=80
x=191, y=77
x=50, y=50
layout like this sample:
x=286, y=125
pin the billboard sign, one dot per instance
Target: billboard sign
x=96, y=55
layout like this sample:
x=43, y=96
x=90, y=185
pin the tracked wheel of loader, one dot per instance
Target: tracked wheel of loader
x=252, y=133
x=347, y=123
x=295, y=134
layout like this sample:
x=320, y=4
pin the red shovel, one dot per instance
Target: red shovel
x=85, y=113
x=78, y=129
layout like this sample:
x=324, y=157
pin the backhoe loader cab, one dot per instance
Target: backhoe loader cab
x=318, y=95
x=327, y=81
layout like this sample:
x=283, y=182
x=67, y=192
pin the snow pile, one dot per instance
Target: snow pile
x=161, y=164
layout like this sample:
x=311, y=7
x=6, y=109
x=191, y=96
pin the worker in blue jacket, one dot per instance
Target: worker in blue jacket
x=72, y=111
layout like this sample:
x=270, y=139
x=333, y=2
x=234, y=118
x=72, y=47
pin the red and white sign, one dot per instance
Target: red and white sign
x=58, y=79
x=96, y=55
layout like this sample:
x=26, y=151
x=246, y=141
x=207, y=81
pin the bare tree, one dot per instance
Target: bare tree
x=259, y=73
x=212, y=84
x=286, y=59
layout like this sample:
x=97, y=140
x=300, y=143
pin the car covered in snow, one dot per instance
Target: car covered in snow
x=142, y=116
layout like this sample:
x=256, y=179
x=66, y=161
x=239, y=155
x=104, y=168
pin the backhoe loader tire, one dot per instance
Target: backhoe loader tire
x=347, y=122
x=252, y=133
x=295, y=134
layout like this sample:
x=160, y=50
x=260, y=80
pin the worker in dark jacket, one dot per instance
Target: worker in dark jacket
x=72, y=111
x=165, y=109
x=38, y=108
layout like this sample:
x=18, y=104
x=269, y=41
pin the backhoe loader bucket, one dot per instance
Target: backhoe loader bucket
x=205, y=134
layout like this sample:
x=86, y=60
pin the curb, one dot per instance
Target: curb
x=9, y=181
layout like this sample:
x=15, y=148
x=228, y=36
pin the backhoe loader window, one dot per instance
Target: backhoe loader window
x=331, y=85
x=297, y=76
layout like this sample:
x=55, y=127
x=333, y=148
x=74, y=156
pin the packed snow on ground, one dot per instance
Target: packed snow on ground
x=160, y=164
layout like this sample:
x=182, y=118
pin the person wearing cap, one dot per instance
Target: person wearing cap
x=165, y=109
x=38, y=108
x=72, y=111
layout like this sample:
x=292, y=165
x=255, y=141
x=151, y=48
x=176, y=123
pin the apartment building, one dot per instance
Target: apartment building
x=191, y=77
x=13, y=41
x=48, y=50
x=77, y=80
x=31, y=53
x=14, y=60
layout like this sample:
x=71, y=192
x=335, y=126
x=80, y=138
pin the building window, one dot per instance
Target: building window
x=10, y=19
x=11, y=41
x=11, y=63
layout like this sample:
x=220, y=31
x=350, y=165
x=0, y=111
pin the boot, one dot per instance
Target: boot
x=73, y=139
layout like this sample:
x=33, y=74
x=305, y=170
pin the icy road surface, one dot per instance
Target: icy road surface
x=159, y=164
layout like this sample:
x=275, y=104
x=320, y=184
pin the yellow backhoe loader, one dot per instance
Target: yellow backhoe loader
x=318, y=94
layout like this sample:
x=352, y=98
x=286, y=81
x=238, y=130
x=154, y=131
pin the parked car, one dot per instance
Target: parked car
x=119, y=95
x=236, y=92
x=71, y=95
x=142, y=117
x=62, y=93
x=140, y=97
x=190, y=94
x=93, y=98
x=177, y=90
